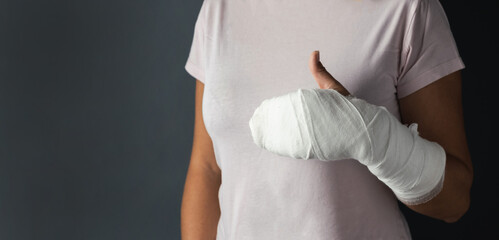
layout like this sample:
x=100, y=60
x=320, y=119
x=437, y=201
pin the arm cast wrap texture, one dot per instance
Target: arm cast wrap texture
x=323, y=124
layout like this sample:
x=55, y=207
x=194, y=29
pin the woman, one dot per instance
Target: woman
x=397, y=54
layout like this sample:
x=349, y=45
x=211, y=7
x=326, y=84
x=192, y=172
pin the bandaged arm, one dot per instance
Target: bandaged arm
x=325, y=125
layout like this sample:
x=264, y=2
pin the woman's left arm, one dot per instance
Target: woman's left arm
x=437, y=109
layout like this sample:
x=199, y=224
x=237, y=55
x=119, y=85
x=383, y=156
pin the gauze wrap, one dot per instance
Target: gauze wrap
x=325, y=125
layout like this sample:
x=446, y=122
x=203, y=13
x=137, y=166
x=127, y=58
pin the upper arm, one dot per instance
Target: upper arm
x=203, y=155
x=437, y=109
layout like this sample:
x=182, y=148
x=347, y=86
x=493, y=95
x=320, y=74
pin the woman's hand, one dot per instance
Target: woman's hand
x=323, y=77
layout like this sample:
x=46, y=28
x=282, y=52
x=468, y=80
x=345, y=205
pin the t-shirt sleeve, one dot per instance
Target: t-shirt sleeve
x=429, y=49
x=195, y=64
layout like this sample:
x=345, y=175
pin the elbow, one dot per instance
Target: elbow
x=454, y=201
x=460, y=209
x=458, y=213
x=463, y=200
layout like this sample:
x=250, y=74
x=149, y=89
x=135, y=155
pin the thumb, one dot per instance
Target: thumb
x=322, y=76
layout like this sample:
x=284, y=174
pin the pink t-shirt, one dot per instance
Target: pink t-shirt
x=248, y=51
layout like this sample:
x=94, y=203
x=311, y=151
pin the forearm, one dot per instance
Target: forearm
x=454, y=199
x=200, y=209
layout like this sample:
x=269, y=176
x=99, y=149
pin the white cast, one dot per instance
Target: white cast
x=323, y=124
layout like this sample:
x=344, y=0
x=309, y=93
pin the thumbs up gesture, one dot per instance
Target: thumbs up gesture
x=297, y=124
x=323, y=77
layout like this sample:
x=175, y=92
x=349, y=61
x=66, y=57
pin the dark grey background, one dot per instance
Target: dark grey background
x=97, y=114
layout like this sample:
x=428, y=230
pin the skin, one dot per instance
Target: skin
x=200, y=210
x=437, y=109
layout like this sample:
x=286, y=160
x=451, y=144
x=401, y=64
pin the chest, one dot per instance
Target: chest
x=255, y=55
